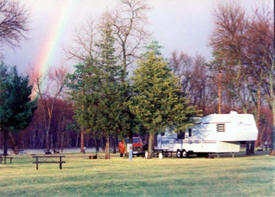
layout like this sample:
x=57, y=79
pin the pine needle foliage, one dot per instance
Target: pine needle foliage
x=16, y=106
x=157, y=101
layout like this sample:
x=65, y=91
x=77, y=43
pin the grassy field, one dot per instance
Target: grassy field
x=240, y=176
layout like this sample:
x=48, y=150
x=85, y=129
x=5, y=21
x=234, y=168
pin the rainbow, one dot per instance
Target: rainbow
x=48, y=49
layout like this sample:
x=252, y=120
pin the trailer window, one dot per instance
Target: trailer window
x=189, y=132
x=220, y=128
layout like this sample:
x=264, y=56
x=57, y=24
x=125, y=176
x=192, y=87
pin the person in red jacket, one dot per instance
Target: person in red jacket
x=121, y=148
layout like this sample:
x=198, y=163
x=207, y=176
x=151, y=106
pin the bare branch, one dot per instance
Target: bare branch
x=13, y=22
x=128, y=21
x=83, y=47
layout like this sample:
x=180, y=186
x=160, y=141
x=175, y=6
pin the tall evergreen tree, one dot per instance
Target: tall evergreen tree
x=107, y=98
x=16, y=109
x=157, y=100
x=76, y=83
x=97, y=86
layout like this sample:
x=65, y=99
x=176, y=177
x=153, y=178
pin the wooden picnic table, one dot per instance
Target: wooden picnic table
x=38, y=157
x=5, y=157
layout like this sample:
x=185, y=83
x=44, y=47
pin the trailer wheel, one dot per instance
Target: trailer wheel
x=184, y=154
x=179, y=154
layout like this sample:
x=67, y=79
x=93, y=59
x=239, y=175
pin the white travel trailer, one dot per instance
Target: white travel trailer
x=215, y=133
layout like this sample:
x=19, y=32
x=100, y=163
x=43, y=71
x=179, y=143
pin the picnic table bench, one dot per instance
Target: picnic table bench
x=4, y=158
x=43, y=157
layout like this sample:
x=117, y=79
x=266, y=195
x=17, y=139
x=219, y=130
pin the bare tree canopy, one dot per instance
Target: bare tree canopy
x=195, y=77
x=230, y=28
x=13, y=22
x=83, y=46
x=128, y=21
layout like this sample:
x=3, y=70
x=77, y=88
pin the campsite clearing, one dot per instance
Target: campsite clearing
x=240, y=176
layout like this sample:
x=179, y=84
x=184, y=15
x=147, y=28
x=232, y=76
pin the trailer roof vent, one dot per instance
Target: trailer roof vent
x=233, y=112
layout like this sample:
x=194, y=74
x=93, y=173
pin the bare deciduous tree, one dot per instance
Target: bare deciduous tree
x=49, y=88
x=13, y=22
x=227, y=41
x=83, y=47
x=260, y=57
x=128, y=23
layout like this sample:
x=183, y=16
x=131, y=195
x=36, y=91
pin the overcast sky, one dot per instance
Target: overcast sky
x=182, y=25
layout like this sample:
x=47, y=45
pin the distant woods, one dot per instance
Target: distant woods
x=100, y=102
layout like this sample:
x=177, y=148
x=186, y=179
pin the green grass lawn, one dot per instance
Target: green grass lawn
x=240, y=176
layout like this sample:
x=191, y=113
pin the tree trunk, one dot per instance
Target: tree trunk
x=124, y=63
x=219, y=93
x=77, y=140
x=273, y=123
x=114, y=144
x=107, y=147
x=247, y=148
x=82, y=150
x=1, y=138
x=5, y=135
x=82, y=130
x=103, y=144
x=47, y=139
x=96, y=145
x=252, y=148
x=57, y=141
x=52, y=144
x=62, y=142
x=258, y=141
x=273, y=132
x=48, y=112
x=87, y=141
x=150, y=145
x=13, y=143
x=272, y=100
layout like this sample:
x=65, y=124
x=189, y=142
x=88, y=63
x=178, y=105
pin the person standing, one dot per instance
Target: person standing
x=121, y=148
